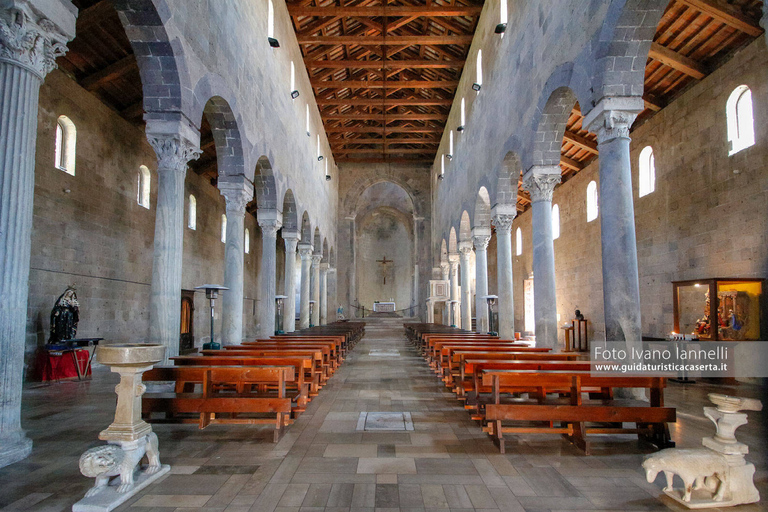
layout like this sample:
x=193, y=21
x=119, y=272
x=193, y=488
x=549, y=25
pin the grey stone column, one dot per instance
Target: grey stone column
x=315, y=288
x=416, y=247
x=305, y=252
x=502, y=218
x=29, y=45
x=445, y=270
x=480, y=239
x=453, y=262
x=430, y=311
x=611, y=120
x=237, y=195
x=332, y=295
x=352, y=270
x=291, y=241
x=465, y=249
x=269, y=222
x=323, y=294
x=540, y=181
x=764, y=21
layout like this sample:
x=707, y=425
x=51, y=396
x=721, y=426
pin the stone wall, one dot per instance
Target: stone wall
x=707, y=217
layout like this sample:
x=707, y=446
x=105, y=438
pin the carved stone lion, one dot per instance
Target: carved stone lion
x=105, y=462
x=693, y=466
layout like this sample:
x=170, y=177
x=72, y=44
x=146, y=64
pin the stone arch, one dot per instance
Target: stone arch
x=508, y=179
x=551, y=120
x=332, y=258
x=453, y=243
x=317, y=241
x=482, y=209
x=290, y=212
x=382, y=193
x=352, y=198
x=264, y=184
x=306, y=228
x=226, y=135
x=465, y=227
x=621, y=50
x=443, y=251
x=161, y=62
x=325, y=250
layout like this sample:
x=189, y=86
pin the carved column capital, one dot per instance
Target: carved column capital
x=324, y=267
x=503, y=222
x=269, y=227
x=31, y=40
x=174, y=152
x=316, y=259
x=612, y=118
x=237, y=195
x=540, y=182
x=445, y=267
x=465, y=248
x=453, y=262
x=305, y=251
x=294, y=236
x=481, y=242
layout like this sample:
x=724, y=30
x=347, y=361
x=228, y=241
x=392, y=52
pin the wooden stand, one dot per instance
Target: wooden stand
x=580, y=337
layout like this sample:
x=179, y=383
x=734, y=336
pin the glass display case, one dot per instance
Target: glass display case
x=719, y=309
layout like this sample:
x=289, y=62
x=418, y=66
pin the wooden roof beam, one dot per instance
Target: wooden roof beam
x=388, y=117
x=726, y=13
x=380, y=151
x=380, y=129
x=109, y=73
x=677, y=61
x=384, y=102
x=367, y=40
x=380, y=84
x=570, y=163
x=379, y=140
x=376, y=11
x=388, y=160
x=389, y=64
x=581, y=142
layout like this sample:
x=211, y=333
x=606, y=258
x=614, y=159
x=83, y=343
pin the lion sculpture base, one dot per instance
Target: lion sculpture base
x=118, y=474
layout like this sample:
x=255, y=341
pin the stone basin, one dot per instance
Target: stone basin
x=130, y=354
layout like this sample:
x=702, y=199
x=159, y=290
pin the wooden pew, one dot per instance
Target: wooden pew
x=215, y=403
x=573, y=412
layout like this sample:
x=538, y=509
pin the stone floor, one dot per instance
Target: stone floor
x=325, y=463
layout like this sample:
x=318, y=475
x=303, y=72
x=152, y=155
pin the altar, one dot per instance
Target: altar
x=384, y=307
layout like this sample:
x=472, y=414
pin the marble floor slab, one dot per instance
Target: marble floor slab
x=323, y=463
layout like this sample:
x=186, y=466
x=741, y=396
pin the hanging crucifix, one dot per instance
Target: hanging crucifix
x=384, y=267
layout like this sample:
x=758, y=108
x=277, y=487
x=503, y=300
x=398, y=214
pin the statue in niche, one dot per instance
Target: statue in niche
x=64, y=316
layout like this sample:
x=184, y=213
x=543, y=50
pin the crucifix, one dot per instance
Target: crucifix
x=384, y=263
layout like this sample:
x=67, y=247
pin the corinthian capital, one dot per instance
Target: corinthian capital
x=173, y=151
x=540, y=182
x=33, y=41
x=316, y=258
x=237, y=195
x=305, y=251
x=611, y=118
x=269, y=227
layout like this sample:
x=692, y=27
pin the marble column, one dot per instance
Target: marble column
x=315, y=288
x=323, y=294
x=237, y=195
x=465, y=249
x=453, y=262
x=502, y=217
x=332, y=295
x=430, y=312
x=610, y=120
x=415, y=286
x=291, y=241
x=269, y=222
x=305, y=252
x=352, y=270
x=540, y=181
x=445, y=270
x=29, y=45
x=480, y=239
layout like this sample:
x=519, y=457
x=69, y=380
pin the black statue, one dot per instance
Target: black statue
x=64, y=317
x=578, y=315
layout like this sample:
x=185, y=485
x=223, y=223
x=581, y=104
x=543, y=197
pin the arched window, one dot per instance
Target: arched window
x=66, y=142
x=271, y=20
x=591, y=201
x=741, y=122
x=307, y=115
x=463, y=113
x=479, y=78
x=518, y=242
x=318, y=146
x=142, y=196
x=503, y=12
x=450, y=145
x=223, y=228
x=442, y=167
x=647, y=177
x=247, y=241
x=294, y=92
x=192, y=221
x=555, y=222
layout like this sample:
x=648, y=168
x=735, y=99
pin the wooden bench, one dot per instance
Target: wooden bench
x=572, y=412
x=226, y=395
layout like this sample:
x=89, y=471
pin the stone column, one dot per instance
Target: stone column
x=453, y=262
x=352, y=271
x=323, y=294
x=269, y=222
x=480, y=239
x=430, y=312
x=237, y=195
x=502, y=218
x=416, y=247
x=305, y=251
x=315, y=288
x=540, y=181
x=465, y=249
x=332, y=295
x=291, y=241
x=764, y=21
x=611, y=120
x=29, y=45
x=445, y=270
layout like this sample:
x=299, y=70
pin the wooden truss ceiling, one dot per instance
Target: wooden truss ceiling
x=692, y=39
x=384, y=75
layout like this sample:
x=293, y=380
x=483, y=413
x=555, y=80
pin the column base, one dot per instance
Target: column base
x=14, y=448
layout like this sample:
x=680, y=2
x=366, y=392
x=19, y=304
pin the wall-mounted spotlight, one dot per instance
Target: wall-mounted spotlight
x=320, y=158
x=441, y=176
x=274, y=43
x=327, y=177
x=449, y=157
x=476, y=87
x=294, y=95
x=501, y=28
x=460, y=128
